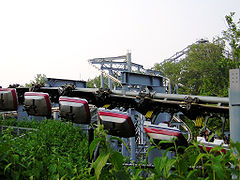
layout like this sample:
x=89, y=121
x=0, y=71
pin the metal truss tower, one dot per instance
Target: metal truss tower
x=122, y=72
x=125, y=75
x=177, y=57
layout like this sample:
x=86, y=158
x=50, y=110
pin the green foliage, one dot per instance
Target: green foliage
x=202, y=72
x=170, y=70
x=94, y=83
x=116, y=169
x=59, y=151
x=39, y=79
x=56, y=150
x=163, y=166
x=232, y=36
x=205, y=69
x=194, y=163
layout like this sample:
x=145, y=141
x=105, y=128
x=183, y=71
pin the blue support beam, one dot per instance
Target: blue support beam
x=53, y=82
x=143, y=80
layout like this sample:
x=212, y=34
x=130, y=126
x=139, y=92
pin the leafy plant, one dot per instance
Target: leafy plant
x=56, y=150
x=108, y=158
x=59, y=150
x=39, y=79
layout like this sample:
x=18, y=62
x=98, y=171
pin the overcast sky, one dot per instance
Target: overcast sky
x=56, y=38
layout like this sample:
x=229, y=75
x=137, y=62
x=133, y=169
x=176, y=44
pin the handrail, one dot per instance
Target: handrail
x=109, y=76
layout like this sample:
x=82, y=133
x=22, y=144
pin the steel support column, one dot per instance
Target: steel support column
x=234, y=104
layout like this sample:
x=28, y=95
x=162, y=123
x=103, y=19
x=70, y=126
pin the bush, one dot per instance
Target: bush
x=56, y=150
x=59, y=150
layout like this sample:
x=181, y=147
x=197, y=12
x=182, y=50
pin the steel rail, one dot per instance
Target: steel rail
x=178, y=97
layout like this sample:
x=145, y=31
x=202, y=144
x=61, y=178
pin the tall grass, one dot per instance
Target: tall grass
x=56, y=150
x=194, y=163
x=59, y=150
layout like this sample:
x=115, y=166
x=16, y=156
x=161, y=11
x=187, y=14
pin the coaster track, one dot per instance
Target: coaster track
x=191, y=106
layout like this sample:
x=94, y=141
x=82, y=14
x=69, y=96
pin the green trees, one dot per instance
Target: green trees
x=202, y=72
x=232, y=36
x=205, y=69
x=39, y=79
x=94, y=83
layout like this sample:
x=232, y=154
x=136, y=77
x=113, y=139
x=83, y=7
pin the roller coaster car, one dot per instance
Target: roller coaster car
x=209, y=145
x=74, y=109
x=163, y=132
x=117, y=123
x=37, y=104
x=8, y=99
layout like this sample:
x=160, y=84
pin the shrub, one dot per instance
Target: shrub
x=56, y=150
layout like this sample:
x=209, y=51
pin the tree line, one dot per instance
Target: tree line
x=205, y=68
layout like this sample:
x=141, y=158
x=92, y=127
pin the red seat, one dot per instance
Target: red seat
x=37, y=104
x=8, y=99
x=74, y=109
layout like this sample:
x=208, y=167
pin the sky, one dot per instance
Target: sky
x=56, y=37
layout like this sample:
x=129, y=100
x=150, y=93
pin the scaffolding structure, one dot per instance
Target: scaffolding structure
x=125, y=75
x=122, y=73
x=178, y=55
